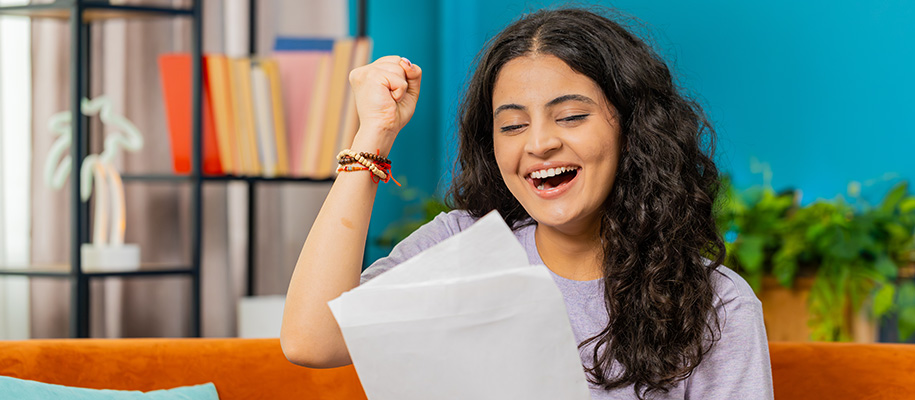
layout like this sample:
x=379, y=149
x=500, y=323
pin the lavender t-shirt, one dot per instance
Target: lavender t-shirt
x=737, y=366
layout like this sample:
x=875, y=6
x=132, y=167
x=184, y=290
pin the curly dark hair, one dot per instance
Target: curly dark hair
x=660, y=242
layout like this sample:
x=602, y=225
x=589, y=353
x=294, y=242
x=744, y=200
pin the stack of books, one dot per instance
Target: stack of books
x=282, y=116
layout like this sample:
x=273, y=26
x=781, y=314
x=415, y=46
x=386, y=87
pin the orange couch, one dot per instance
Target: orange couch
x=256, y=368
x=240, y=368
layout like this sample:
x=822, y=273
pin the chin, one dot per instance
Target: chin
x=559, y=220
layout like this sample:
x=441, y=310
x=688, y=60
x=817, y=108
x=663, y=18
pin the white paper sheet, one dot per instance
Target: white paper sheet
x=466, y=319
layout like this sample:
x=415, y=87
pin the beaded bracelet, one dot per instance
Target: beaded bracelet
x=365, y=162
x=378, y=159
x=376, y=163
x=350, y=168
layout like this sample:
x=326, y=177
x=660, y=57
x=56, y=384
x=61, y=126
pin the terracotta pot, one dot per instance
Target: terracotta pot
x=786, y=317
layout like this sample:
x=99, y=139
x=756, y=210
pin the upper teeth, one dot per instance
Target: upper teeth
x=546, y=173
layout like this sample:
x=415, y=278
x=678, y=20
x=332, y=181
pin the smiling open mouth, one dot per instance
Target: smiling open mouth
x=553, y=177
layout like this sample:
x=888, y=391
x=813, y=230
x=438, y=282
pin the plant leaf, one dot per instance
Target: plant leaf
x=892, y=199
x=886, y=267
x=883, y=300
x=906, y=323
x=907, y=294
x=784, y=265
x=907, y=205
x=750, y=252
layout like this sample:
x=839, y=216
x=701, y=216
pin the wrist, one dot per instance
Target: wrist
x=369, y=140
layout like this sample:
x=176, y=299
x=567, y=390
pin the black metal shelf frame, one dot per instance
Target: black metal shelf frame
x=92, y=10
x=219, y=178
x=62, y=271
x=81, y=14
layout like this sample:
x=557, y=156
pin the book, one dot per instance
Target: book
x=244, y=116
x=284, y=43
x=263, y=117
x=242, y=167
x=279, y=117
x=175, y=72
x=361, y=55
x=217, y=67
x=342, y=59
x=298, y=72
x=311, y=143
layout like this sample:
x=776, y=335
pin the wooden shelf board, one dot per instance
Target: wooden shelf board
x=50, y=270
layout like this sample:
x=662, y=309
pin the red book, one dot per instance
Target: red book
x=175, y=70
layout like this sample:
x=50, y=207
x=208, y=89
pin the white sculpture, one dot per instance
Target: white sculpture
x=107, y=250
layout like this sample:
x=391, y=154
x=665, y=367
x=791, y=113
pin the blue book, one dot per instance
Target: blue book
x=285, y=43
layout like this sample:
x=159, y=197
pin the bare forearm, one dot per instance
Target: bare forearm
x=330, y=264
x=386, y=92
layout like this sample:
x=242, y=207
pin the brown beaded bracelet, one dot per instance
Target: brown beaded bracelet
x=375, y=157
x=347, y=160
x=379, y=166
x=381, y=174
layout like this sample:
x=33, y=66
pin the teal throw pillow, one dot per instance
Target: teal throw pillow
x=21, y=389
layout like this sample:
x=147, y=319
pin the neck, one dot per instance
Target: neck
x=571, y=255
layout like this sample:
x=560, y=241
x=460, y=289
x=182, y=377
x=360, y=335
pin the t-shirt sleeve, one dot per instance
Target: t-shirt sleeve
x=443, y=226
x=737, y=366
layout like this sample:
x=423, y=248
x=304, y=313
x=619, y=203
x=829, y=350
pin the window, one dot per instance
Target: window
x=15, y=171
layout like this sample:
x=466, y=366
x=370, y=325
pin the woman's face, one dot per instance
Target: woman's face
x=556, y=141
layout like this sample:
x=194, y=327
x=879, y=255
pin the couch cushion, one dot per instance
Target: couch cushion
x=839, y=371
x=240, y=368
x=22, y=389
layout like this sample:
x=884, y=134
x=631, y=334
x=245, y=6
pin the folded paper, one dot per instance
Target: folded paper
x=466, y=319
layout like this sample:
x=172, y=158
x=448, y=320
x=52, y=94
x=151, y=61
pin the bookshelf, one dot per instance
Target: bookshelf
x=81, y=14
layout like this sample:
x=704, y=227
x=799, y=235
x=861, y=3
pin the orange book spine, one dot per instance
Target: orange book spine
x=220, y=97
x=175, y=70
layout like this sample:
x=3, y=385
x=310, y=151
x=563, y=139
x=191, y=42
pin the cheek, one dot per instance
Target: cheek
x=503, y=158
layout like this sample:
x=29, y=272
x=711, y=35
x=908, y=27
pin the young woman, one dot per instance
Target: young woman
x=573, y=129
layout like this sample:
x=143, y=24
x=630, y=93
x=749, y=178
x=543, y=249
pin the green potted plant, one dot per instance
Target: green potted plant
x=857, y=255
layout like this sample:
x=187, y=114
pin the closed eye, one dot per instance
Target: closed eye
x=511, y=128
x=574, y=118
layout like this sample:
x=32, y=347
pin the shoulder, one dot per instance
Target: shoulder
x=737, y=306
x=443, y=226
x=731, y=287
x=452, y=222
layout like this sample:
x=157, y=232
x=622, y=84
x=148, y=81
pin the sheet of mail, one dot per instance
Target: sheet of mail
x=466, y=319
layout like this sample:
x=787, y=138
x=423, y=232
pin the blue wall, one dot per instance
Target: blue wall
x=409, y=29
x=821, y=91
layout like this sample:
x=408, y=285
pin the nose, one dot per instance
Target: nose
x=542, y=139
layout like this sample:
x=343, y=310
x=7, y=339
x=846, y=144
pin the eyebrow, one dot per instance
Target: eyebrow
x=551, y=103
x=570, y=97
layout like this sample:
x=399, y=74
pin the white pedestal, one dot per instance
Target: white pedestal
x=260, y=316
x=107, y=258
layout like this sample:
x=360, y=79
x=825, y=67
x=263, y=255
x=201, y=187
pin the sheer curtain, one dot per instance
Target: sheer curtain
x=124, y=67
x=14, y=173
